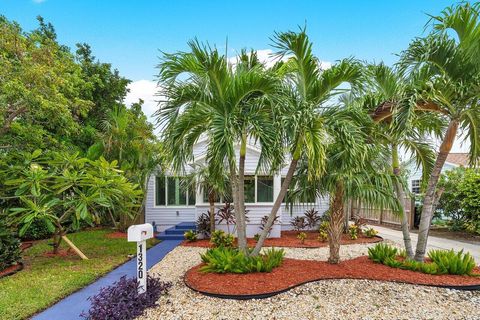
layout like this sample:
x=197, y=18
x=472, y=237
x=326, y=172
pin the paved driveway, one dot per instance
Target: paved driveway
x=433, y=242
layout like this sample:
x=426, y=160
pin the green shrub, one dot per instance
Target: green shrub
x=302, y=236
x=370, y=232
x=190, y=235
x=38, y=230
x=451, y=262
x=231, y=260
x=220, y=239
x=322, y=231
x=381, y=252
x=9, y=247
x=256, y=237
x=353, y=232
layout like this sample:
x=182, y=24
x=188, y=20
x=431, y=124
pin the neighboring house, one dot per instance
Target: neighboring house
x=169, y=203
x=453, y=161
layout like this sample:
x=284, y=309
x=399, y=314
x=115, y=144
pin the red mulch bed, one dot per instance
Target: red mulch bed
x=116, y=235
x=11, y=270
x=294, y=272
x=289, y=239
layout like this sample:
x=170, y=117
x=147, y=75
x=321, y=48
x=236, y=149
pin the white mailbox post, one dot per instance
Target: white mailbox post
x=139, y=233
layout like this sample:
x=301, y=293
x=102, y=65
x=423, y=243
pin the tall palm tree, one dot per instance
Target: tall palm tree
x=388, y=90
x=207, y=96
x=452, y=91
x=355, y=168
x=307, y=89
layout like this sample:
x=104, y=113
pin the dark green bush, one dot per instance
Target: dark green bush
x=38, y=230
x=9, y=247
x=231, y=260
x=451, y=262
x=220, y=239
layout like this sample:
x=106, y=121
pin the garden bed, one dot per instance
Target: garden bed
x=11, y=270
x=289, y=239
x=295, y=272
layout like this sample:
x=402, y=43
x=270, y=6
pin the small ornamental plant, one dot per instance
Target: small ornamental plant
x=256, y=237
x=302, y=236
x=121, y=300
x=190, y=235
x=322, y=231
x=353, y=232
x=370, y=232
x=220, y=239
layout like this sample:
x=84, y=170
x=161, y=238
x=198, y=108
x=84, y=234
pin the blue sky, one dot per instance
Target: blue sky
x=129, y=34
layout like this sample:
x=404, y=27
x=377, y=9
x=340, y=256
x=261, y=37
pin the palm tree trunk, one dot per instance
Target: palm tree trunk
x=211, y=200
x=242, y=243
x=335, y=225
x=278, y=201
x=240, y=206
x=429, y=200
x=407, y=241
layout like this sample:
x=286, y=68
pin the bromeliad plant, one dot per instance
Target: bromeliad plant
x=65, y=190
x=231, y=260
x=190, y=235
x=353, y=232
x=221, y=239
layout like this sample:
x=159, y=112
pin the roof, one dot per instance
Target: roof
x=460, y=159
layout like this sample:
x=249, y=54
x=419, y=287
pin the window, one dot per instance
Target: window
x=172, y=191
x=416, y=186
x=249, y=188
x=160, y=191
x=264, y=189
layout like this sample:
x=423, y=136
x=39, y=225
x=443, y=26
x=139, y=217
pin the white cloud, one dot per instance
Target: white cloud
x=145, y=90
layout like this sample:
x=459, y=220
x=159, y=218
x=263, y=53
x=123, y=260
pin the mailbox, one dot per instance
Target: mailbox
x=140, y=232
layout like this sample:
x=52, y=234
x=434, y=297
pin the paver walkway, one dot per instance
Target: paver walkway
x=433, y=242
x=72, y=306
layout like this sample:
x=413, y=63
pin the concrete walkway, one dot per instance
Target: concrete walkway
x=433, y=242
x=72, y=306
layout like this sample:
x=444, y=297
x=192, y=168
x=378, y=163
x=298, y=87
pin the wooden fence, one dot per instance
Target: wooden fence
x=383, y=216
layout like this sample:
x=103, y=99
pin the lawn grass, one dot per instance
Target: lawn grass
x=45, y=280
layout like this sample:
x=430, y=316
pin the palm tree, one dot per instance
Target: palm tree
x=306, y=90
x=207, y=96
x=388, y=90
x=354, y=169
x=452, y=67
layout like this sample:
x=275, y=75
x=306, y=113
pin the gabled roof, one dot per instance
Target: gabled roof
x=459, y=159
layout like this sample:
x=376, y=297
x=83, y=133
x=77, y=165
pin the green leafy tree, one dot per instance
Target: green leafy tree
x=448, y=58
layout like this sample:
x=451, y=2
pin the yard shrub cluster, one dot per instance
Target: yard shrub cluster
x=9, y=247
x=460, y=200
x=190, y=235
x=121, y=301
x=232, y=260
x=443, y=261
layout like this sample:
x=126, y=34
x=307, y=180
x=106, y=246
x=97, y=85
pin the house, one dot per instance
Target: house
x=454, y=160
x=169, y=203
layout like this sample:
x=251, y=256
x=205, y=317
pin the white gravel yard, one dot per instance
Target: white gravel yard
x=328, y=299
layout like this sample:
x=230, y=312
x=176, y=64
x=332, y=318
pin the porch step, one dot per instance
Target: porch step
x=164, y=236
x=174, y=230
x=186, y=226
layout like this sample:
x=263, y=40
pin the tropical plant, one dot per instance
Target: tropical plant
x=9, y=247
x=190, y=235
x=381, y=252
x=220, y=239
x=230, y=260
x=312, y=218
x=451, y=262
x=256, y=236
x=204, y=225
x=353, y=232
x=263, y=222
x=448, y=59
x=64, y=190
x=370, y=232
x=323, y=231
x=302, y=236
x=227, y=214
x=298, y=223
x=121, y=300
x=307, y=89
x=209, y=97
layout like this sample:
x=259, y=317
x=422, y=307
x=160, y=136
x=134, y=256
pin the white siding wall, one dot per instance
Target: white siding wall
x=416, y=174
x=166, y=216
